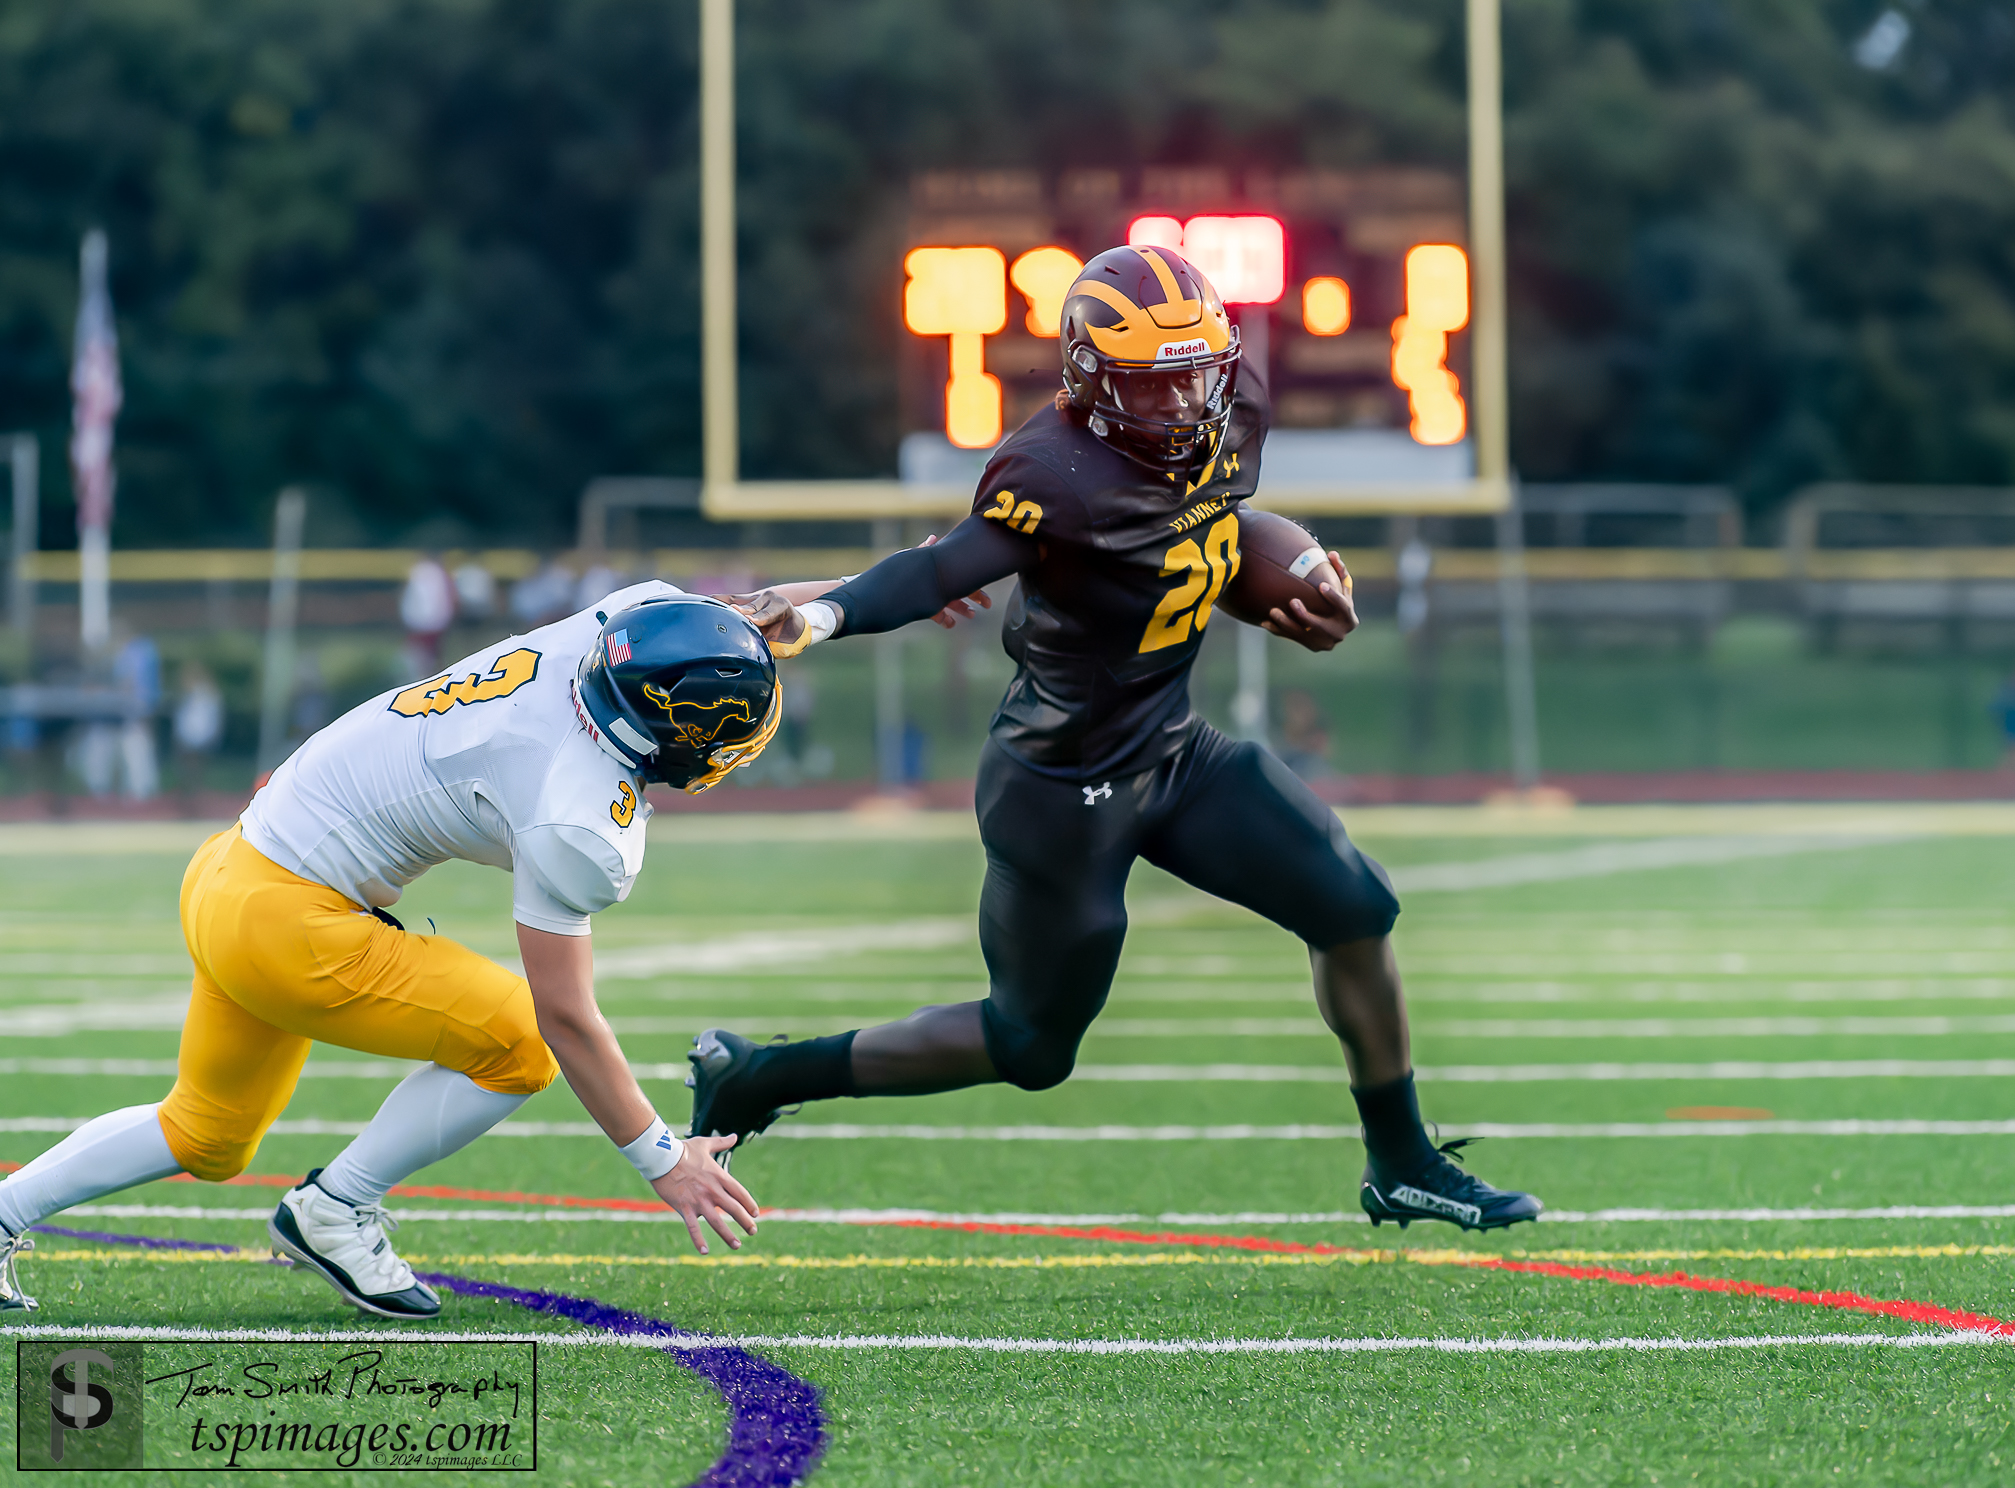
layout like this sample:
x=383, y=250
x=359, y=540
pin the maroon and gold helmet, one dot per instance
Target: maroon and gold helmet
x=1150, y=356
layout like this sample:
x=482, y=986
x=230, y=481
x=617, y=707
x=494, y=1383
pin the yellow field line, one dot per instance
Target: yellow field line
x=1421, y=1257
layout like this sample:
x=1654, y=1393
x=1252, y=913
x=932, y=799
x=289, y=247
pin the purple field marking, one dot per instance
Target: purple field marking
x=147, y=1242
x=776, y=1430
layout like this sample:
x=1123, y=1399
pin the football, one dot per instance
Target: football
x=1278, y=562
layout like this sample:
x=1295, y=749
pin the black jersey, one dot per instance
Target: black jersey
x=1107, y=621
x=1120, y=572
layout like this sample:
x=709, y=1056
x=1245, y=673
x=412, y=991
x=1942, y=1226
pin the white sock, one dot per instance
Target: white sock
x=434, y=1112
x=106, y=1154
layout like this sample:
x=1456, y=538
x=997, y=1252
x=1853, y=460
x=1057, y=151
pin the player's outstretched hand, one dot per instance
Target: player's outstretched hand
x=700, y=1188
x=958, y=609
x=780, y=621
x=1318, y=632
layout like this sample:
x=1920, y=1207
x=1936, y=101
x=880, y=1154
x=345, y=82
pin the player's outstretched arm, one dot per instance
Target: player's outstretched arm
x=561, y=969
x=938, y=581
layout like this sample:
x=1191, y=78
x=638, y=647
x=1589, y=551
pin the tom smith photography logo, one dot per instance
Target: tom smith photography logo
x=390, y=1406
x=79, y=1405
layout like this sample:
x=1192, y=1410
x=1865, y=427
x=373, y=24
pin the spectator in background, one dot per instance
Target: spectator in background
x=311, y=696
x=426, y=609
x=475, y=591
x=126, y=749
x=1304, y=735
x=543, y=596
x=198, y=730
x=597, y=584
x=2003, y=708
x=800, y=699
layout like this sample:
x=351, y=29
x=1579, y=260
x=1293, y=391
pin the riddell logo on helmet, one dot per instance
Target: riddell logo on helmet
x=1172, y=349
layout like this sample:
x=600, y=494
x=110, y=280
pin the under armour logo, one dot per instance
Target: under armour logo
x=1093, y=792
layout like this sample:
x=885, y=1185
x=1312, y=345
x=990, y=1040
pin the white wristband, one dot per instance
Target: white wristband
x=821, y=617
x=656, y=1152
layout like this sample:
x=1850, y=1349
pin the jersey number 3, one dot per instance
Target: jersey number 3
x=510, y=671
x=1204, y=571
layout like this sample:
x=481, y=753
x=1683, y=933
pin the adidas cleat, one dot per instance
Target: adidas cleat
x=12, y=1298
x=721, y=1108
x=346, y=1245
x=1442, y=1190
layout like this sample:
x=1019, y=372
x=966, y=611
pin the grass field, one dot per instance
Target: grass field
x=1575, y=982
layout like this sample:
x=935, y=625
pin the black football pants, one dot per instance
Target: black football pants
x=1229, y=818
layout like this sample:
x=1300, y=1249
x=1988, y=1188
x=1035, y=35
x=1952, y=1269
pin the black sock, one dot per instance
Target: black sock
x=809, y=1069
x=1394, y=1137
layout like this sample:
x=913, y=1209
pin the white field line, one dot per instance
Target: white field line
x=1620, y=857
x=315, y=1069
x=884, y=1342
x=70, y=1018
x=56, y=1020
x=850, y=1132
x=1244, y=1074
x=1930, y=1026
x=1954, y=989
x=1668, y=1028
x=1788, y=964
x=779, y=947
x=49, y=964
x=542, y=1214
x=1516, y=1074
x=1726, y=1069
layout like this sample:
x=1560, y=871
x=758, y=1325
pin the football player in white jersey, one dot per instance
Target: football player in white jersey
x=532, y=756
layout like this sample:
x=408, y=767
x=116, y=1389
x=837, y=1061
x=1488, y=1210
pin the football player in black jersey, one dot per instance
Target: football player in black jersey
x=1118, y=509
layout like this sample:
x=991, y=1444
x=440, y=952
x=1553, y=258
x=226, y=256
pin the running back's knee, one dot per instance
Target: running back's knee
x=1030, y=1058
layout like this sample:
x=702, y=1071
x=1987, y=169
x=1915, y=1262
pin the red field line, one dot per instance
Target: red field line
x=1906, y=1311
x=1914, y=1312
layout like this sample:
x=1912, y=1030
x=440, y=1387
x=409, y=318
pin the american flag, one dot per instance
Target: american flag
x=619, y=647
x=94, y=385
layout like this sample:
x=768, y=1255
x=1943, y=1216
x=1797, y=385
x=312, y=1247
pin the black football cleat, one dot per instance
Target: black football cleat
x=721, y=1107
x=1442, y=1190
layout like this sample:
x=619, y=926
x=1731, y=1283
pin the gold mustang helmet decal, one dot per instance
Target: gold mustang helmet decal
x=699, y=724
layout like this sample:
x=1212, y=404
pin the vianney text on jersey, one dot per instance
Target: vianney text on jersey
x=485, y=762
x=1105, y=626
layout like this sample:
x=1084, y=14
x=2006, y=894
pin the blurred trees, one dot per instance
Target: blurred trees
x=440, y=256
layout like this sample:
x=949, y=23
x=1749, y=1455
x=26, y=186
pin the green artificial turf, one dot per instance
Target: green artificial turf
x=1911, y=928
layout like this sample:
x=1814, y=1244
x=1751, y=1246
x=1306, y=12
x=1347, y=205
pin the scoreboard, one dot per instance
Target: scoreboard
x=1353, y=287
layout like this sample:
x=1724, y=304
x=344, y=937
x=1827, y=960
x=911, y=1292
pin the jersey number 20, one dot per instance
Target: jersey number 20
x=1205, y=570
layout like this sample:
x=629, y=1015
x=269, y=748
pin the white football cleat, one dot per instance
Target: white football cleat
x=12, y=1298
x=346, y=1245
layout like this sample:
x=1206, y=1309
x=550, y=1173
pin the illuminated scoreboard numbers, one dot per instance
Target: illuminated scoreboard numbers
x=1044, y=276
x=1437, y=304
x=961, y=293
x=1244, y=258
x=1325, y=307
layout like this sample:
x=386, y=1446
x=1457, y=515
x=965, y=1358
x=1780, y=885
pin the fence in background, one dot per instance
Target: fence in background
x=1874, y=635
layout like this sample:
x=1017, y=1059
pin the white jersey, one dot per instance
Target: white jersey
x=487, y=762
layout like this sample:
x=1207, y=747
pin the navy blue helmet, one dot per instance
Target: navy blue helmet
x=681, y=689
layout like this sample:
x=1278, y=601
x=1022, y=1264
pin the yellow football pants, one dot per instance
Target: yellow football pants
x=282, y=962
